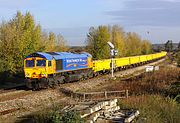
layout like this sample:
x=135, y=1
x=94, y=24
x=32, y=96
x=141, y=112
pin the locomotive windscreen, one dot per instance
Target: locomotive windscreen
x=59, y=65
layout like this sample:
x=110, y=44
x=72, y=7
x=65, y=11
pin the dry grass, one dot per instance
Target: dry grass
x=148, y=92
x=151, y=83
x=153, y=108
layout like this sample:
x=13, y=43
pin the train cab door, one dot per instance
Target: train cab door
x=50, y=66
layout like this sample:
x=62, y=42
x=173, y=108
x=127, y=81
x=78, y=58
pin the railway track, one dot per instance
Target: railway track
x=9, y=111
x=10, y=96
x=22, y=88
x=12, y=101
x=6, y=93
x=13, y=94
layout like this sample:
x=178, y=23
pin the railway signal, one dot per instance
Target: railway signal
x=113, y=53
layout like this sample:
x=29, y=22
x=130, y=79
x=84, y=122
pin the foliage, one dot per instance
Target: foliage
x=178, y=46
x=154, y=108
x=146, y=47
x=118, y=39
x=54, y=116
x=178, y=58
x=174, y=91
x=61, y=44
x=71, y=117
x=169, y=46
x=97, y=42
x=156, y=82
x=21, y=36
x=127, y=44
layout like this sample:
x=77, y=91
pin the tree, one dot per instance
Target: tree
x=128, y=44
x=169, y=46
x=20, y=37
x=50, y=47
x=97, y=42
x=61, y=44
x=118, y=39
x=146, y=47
x=178, y=48
x=133, y=44
x=178, y=58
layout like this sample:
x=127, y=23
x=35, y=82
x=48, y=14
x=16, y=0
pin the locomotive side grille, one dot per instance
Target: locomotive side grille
x=59, y=65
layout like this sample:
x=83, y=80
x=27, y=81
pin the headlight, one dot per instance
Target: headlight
x=27, y=75
x=43, y=75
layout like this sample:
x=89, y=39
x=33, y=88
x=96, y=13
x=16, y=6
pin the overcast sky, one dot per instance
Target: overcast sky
x=73, y=18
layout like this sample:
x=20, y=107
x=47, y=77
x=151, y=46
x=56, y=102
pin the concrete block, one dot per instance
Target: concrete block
x=131, y=117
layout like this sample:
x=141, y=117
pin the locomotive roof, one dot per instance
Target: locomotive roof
x=59, y=55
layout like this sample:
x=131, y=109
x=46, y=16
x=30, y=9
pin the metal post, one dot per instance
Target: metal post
x=112, y=67
x=113, y=53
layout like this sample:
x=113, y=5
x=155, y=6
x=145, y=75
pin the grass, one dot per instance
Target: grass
x=148, y=83
x=55, y=116
x=153, y=108
x=151, y=93
x=52, y=114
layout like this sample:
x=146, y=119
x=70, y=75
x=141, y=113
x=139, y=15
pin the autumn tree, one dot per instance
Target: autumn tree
x=97, y=42
x=20, y=37
x=127, y=44
x=50, y=46
x=118, y=39
x=61, y=45
x=133, y=44
x=146, y=47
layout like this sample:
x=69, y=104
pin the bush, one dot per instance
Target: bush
x=54, y=116
x=178, y=59
x=154, y=108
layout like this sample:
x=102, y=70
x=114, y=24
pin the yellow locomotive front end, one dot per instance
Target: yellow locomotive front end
x=35, y=68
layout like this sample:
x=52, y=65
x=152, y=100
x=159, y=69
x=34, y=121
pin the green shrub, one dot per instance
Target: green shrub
x=71, y=117
x=54, y=116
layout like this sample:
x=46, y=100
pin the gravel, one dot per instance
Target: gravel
x=44, y=98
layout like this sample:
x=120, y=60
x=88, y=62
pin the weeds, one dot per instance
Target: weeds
x=154, y=108
x=148, y=83
x=55, y=116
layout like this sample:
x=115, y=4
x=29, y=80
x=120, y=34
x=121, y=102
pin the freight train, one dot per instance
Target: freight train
x=48, y=69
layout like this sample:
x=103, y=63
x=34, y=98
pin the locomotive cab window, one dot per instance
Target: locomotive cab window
x=29, y=63
x=41, y=63
x=49, y=63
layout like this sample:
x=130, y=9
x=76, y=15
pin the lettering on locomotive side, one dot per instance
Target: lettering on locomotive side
x=76, y=60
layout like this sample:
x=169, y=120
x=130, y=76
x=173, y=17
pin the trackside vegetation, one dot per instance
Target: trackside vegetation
x=54, y=116
x=153, y=108
x=178, y=58
x=128, y=44
x=21, y=36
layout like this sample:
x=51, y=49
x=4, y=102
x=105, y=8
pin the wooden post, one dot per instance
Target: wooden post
x=75, y=96
x=84, y=95
x=71, y=95
x=105, y=94
x=126, y=93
